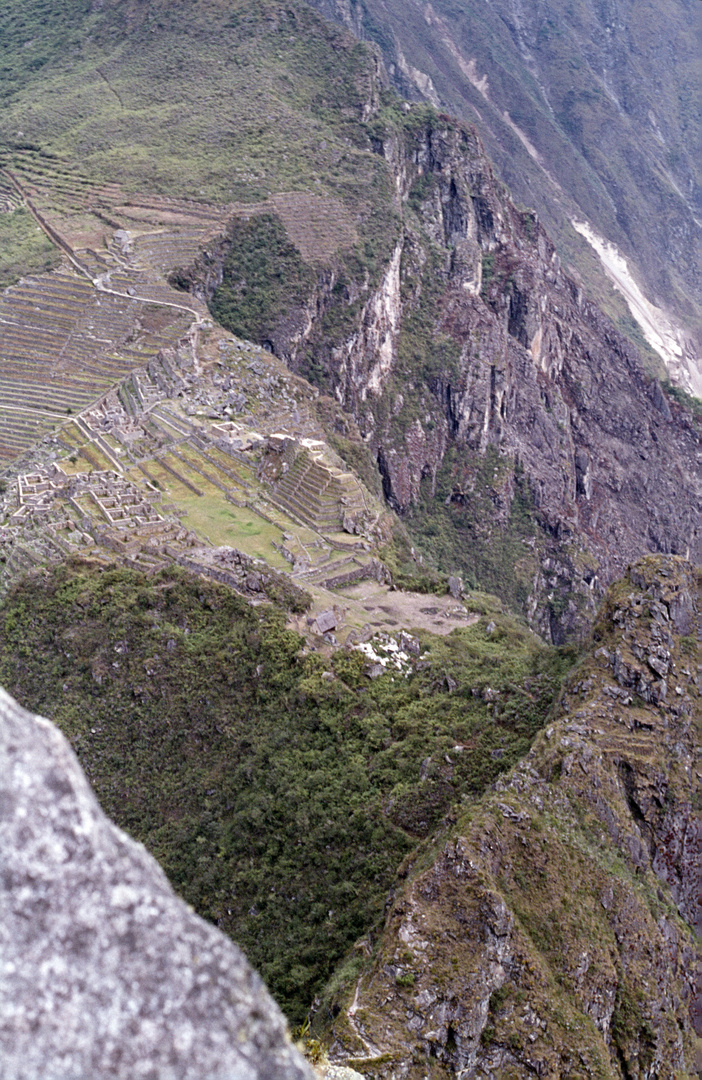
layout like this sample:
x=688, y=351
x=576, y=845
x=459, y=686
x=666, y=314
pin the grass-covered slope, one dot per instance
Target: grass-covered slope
x=24, y=249
x=210, y=100
x=279, y=790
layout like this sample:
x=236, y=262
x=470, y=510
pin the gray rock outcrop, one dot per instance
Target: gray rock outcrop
x=105, y=971
x=544, y=427
x=544, y=939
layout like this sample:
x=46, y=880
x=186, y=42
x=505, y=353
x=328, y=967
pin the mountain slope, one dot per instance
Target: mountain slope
x=514, y=428
x=217, y=102
x=250, y=156
x=590, y=115
x=552, y=932
x=278, y=788
x=369, y=245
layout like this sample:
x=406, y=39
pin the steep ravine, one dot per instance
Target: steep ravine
x=497, y=400
x=550, y=934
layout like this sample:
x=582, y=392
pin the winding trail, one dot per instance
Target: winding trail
x=101, y=287
x=372, y=1051
x=97, y=282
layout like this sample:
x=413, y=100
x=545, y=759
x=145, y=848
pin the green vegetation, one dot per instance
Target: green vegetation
x=480, y=530
x=24, y=249
x=424, y=352
x=629, y=1024
x=686, y=400
x=409, y=571
x=34, y=35
x=279, y=791
x=264, y=277
x=224, y=523
x=221, y=100
x=488, y=270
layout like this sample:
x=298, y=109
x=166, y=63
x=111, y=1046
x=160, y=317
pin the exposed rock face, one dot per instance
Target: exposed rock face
x=539, y=374
x=105, y=972
x=584, y=110
x=474, y=342
x=552, y=935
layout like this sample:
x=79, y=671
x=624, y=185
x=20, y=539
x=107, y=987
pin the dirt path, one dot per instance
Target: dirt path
x=97, y=282
x=372, y=1051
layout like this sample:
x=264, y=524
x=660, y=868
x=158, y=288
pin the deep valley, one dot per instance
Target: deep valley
x=350, y=525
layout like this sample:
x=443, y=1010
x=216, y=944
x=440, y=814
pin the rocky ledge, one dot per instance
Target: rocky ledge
x=551, y=932
x=105, y=972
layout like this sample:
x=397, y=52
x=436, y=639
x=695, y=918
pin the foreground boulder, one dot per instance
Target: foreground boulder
x=105, y=972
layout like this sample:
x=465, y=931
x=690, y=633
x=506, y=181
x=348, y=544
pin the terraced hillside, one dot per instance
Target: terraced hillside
x=63, y=343
x=102, y=209
x=216, y=460
x=66, y=337
x=256, y=103
x=152, y=186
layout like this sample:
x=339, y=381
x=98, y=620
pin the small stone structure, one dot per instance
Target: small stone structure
x=315, y=492
x=326, y=620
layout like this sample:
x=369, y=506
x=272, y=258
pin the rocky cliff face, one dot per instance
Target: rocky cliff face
x=586, y=112
x=105, y=971
x=551, y=933
x=535, y=371
x=481, y=377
